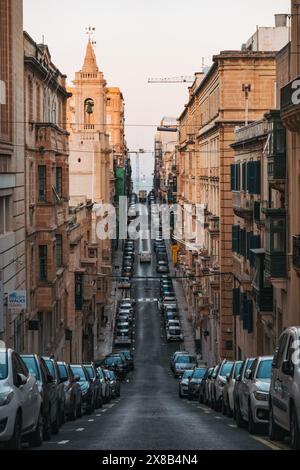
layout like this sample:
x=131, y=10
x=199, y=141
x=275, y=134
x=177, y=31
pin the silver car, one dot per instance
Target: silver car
x=195, y=381
x=254, y=401
x=219, y=381
x=182, y=363
x=184, y=383
x=228, y=402
x=20, y=403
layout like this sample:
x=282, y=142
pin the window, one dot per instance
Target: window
x=253, y=177
x=108, y=119
x=43, y=262
x=59, y=250
x=5, y=214
x=58, y=184
x=42, y=186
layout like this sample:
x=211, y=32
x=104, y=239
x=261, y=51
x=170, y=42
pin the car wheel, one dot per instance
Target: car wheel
x=47, y=426
x=275, y=431
x=72, y=416
x=239, y=419
x=252, y=426
x=35, y=439
x=15, y=442
x=79, y=410
x=55, y=424
x=224, y=408
x=295, y=431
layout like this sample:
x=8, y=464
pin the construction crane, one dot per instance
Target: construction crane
x=181, y=79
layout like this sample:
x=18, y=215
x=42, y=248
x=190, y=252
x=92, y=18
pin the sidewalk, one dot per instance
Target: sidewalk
x=105, y=345
x=187, y=329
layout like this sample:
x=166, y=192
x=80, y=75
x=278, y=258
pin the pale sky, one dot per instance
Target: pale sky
x=137, y=39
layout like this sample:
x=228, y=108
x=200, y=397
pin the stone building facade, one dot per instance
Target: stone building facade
x=220, y=102
x=12, y=204
x=47, y=201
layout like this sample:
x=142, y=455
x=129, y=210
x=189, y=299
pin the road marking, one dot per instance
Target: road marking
x=91, y=420
x=234, y=426
x=62, y=443
x=218, y=417
x=98, y=416
x=79, y=429
x=207, y=412
x=201, y=408
x=103, y=411
x=270, y=444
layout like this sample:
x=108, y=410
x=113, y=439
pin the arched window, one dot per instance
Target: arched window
x=88, y=110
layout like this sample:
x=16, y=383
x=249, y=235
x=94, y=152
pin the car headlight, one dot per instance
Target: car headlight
x=261, y=396
x=6, y=397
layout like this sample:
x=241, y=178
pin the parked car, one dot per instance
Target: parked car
x=162, y=267
x=228, y=402
x=105, y=387
x=254, y=397
x=202, y=386
x=219, y=382
x=115, y=363
x=123, y=338
x=173, y=358
x=183, y=386
x=285, y=388
x=128, y=356
x=127, y=300
x=174, y=333
x=183, y=362
x=108, y=384
x=115, y=385
x=48, y=391
x=53, y=371
x=210, y=385
x=241, y=383
x=73, y=404
x=87, y=387
x=195, y=381
x=21, y=415
x=94, y=376
x=124, y=283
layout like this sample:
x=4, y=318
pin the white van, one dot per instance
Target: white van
x=285, y=388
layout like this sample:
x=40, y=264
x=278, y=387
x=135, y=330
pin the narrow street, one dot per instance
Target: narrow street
x=149, y=413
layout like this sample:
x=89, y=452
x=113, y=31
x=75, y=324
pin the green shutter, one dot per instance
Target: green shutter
x=242, y=242
x=236, y=301
x=237, y=177
x=257, y=178
x=253, y=177
x=235, y=238
x=244, y=176
x=232, y=177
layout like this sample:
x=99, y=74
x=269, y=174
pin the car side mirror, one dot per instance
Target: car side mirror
x=248, y=374
x=227, y=378
x=238, y=379
x=288, y=368
x=21, y=380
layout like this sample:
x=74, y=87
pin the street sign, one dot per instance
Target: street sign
x=16, y=299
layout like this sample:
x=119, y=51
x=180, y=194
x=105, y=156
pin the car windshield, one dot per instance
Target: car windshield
x=264, y=369
x=3, y=365
x=237, y=369
x=77, y=370
x=187, y=374
x=90, y=371
x=112, y=360
x=226, y=368
x=32, y=366
x=199, y=373
x=185, y=359
x=50, y=367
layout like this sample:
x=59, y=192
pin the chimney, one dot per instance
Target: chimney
x=281, y=20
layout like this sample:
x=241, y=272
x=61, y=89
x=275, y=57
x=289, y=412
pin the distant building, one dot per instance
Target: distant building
x=268, y=39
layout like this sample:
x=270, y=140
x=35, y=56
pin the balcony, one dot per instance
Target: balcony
x=213, y=225
x=214, y=278
x=277, y=152
x=290, y=111
x=263, y=290
x=276, y=259
x=242, y=205
x=296, y=253
x=51, y=137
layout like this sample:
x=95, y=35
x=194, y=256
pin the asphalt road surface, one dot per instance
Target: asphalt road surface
x=149, y=414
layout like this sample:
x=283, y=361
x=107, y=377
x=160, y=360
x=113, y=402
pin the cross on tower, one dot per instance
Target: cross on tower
x=90, y=31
